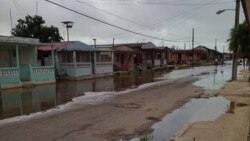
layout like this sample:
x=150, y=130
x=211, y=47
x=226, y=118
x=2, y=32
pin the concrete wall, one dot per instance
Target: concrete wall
x=104, y=68
x=157, y=62
x=74, y=72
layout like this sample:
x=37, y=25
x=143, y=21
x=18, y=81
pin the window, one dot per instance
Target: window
x=65, y=57
x=82, y=57
x=103, y=56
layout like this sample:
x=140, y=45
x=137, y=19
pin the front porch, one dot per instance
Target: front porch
x=18, y=63
x=77, y=60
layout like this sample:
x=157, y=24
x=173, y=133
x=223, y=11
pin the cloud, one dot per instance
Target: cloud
x=175, y=19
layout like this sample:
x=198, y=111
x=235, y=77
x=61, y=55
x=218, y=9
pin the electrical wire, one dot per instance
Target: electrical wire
x=109, y=13
x=112, y=25
x=152, y=3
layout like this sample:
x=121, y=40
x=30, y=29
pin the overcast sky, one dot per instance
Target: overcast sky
x=164, y=19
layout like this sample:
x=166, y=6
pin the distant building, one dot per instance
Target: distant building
x=210, y=54
x=124, y=58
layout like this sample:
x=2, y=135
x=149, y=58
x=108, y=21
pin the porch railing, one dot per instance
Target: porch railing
x=8, y=72
x=9, y=76
x=78, y=65
x=43, y=73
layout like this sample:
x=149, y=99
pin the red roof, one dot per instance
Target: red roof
x=55, y=45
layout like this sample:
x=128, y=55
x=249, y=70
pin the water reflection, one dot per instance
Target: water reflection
x=24, y=101
x=18, y=102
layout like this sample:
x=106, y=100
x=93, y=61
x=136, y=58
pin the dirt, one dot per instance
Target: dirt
x=233, y=125
x=125, y=116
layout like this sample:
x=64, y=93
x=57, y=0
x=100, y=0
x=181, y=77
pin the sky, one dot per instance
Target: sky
x=171, y=21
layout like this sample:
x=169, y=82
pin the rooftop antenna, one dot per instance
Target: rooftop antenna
x=36, y=7
x=11, y=25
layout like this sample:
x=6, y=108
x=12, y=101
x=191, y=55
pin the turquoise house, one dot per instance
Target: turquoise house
x=18, y=63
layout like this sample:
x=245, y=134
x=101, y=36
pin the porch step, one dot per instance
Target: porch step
x=26, y=84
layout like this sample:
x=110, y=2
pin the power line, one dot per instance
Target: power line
x=153, y=3
x=115, y=26
x=107, y=12
x=183, y=13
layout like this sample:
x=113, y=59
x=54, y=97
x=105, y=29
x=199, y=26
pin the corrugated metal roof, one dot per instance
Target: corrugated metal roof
x=75, y=46
x=20, y=40
x=149, y=45
x=55, y=45
x=80, y=46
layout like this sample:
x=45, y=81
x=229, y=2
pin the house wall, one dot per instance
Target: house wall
x=26, y=56
x=75, y=71
x=104, y=67
x=5, y=60
x=157, y=62
x=128, y=63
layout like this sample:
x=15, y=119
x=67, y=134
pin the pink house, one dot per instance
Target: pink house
x=124, y=58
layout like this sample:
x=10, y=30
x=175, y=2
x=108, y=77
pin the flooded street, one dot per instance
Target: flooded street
x=157, y=104
x=24, y=101
x=201, y=109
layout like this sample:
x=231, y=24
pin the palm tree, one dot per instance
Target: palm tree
x=239, y=41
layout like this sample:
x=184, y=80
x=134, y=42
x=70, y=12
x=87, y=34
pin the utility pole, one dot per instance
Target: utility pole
x=234, y=66
x=68, y=25
x=113, y=43
x=215, y=53
x=193, y=47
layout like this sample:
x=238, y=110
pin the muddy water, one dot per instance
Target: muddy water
x=24, y=101
x=195, y=110
x=212, y=77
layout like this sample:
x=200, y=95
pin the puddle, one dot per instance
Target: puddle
x=195, y=110
x=217, y=78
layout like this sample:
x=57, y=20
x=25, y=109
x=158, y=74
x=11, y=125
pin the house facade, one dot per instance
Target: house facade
x=142, y=55
x=18, y=63
x=186, y=56
x=209, y=54
x=124, y=57
x=153, y=56
x=76, y=60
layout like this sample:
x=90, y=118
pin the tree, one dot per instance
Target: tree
x=239, y=40
x=34, y=27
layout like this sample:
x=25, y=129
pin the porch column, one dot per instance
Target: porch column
x=34, y=55
x=74, y=58
x=17, y=63
x=52, y=56
x=17, y=56
x=153, y=58
x=112, y=57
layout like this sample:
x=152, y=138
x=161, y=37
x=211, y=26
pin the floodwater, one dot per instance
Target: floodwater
x=212, y=77
x=195, y=110
x=24, y=101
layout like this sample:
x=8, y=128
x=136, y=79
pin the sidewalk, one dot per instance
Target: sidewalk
x=233, y=125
